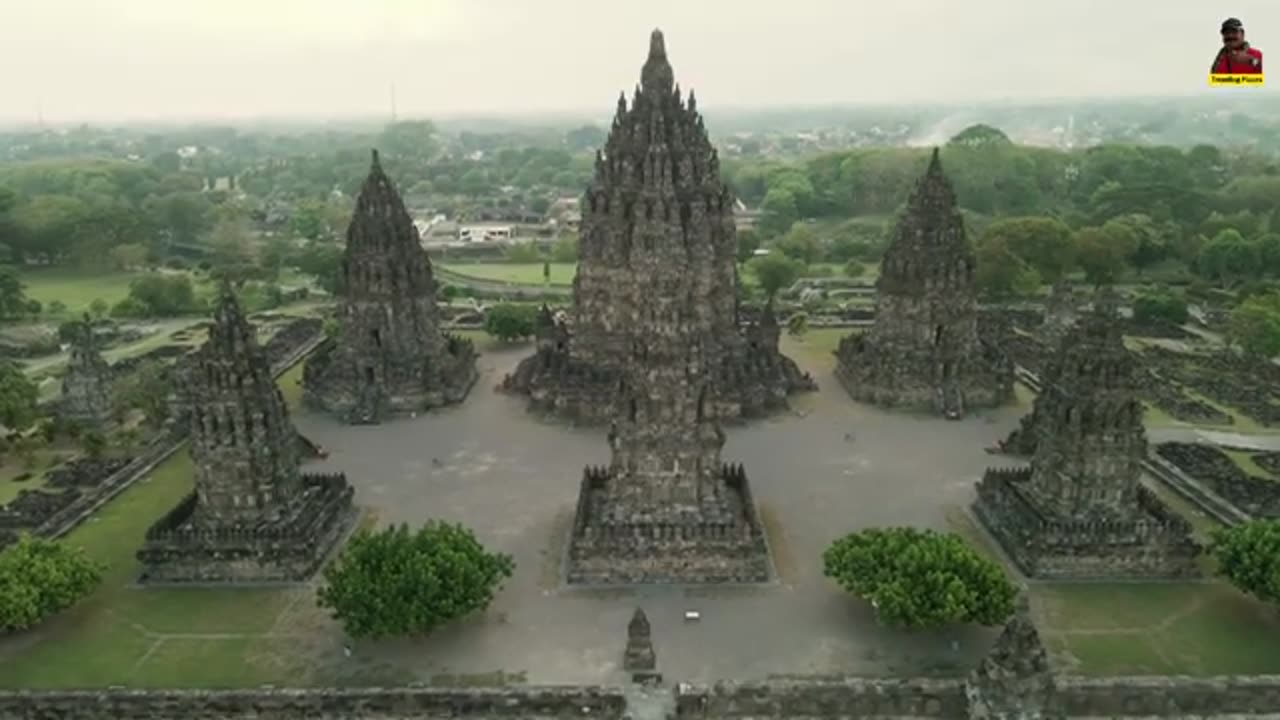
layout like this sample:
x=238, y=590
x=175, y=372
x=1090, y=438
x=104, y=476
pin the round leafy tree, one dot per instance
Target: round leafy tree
x=398, y=582
x=920, y=578
x=39, y=578
x=1248, y=556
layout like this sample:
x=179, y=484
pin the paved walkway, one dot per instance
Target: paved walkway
x=515, y=479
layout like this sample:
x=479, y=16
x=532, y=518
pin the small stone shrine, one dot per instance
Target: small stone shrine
x=390, y=356
x=253, y=517
x=1014, y=681
x=639, y=655
x=657, y=167
x=1079, y=510
x=86, y=386
x=924, y=351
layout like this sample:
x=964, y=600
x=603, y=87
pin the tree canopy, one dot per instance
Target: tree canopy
x=39, y=578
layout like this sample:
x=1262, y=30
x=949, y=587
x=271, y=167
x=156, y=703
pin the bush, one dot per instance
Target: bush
x=177, y=263
x=775, y=272
x=854, y=269
x=509, y=321
x=397, y=582
x=130, y=308
x=158, y=295
x=1160, y=308
x=920, y=578
x=40, y=578
x=1248, y=557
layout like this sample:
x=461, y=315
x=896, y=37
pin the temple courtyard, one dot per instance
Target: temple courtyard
x=514, y=479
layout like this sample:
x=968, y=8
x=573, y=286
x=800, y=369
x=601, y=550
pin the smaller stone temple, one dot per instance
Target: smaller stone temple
x=390, y=356
x=1014, y=681
x=253, y=517
x=1079, y=510
x=924, y=351
x=639, y=655
x=86, y=386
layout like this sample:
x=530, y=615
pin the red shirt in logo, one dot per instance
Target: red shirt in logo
x=1224, y=65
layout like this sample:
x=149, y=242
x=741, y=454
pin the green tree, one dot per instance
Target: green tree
x=920, y=578
x=309, y=221
x=774, y=272
x=1255, y=326
x=322, y=261
x=40, y=578
x=510, y=321
x=854, y=268
x=18, y=397
x=98, y=308
x=778, y=211
x=801, y=243
x=129, y=256
x=1045, y=244
x=1229, y=258
x=1001, y=273
x=13, y=294
x=398, y=583
x=1101, y=251
x=1248, y=557
x=94, y=444
x=1160, y=307
x=163, y=295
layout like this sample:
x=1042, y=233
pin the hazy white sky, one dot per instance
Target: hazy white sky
x=179, y=59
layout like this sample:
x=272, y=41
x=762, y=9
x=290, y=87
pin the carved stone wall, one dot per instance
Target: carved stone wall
x=656, y=208
x=390, y=356
x=924, y=351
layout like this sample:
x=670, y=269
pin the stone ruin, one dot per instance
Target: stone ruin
x=639, y=656
x=1060, y=315
x=1014, y=681
x=657, y=168
x=1079, y=510
x=924, y=351
x=666, y=510
x=390, y=356
x=253, y=515
x=86, y=386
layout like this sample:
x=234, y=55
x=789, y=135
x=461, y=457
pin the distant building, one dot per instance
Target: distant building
x=485, y=233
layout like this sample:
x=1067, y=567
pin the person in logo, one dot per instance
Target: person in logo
x=1236, y=57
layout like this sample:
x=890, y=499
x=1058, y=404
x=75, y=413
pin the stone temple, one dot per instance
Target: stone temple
x=253, y=517
x=1079, y=510
x=390, y=356
x=666, y=510
x=924, y=351
x=86, y=386
x=657, y=167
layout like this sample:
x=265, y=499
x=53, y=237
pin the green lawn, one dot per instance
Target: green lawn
x=524, y=273
x=1157, y=628
x=153, y=637
x=77, y=288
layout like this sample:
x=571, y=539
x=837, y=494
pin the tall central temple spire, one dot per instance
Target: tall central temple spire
x=658, y=245
x=656, y=309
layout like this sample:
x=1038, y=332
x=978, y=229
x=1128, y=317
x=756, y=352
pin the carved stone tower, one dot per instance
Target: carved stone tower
x=253, y=515
x=1080, y=510
x=666, y=510
x=657, y=171
x=924, y=351
x=86, y=386
x=390, y=356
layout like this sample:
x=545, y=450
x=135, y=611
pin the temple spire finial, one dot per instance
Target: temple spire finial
x=657, y=76
x=935, y=163
x=657, y=47
x=374, y=163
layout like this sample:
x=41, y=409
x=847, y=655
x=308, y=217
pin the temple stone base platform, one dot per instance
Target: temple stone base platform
x=332, y=387
x=730, y=548
x=1156, y=543
x=178, y=550
x=887, y=379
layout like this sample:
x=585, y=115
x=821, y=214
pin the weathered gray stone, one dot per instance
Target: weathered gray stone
x=253, y=516
x=924, y=351
x=657, y=169
x=639, y=654
x=390, y=356
x=666, y=509
x=86, y=386
x=1080, y=510
x=1014, y=681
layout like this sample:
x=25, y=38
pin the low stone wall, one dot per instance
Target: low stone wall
x=884, y=698
x=1257, y=497
x=848, y=698
x=264, y=704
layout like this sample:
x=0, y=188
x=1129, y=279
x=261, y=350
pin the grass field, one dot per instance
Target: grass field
x=77, y=288
x=524, y=273
x=1158, y=628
